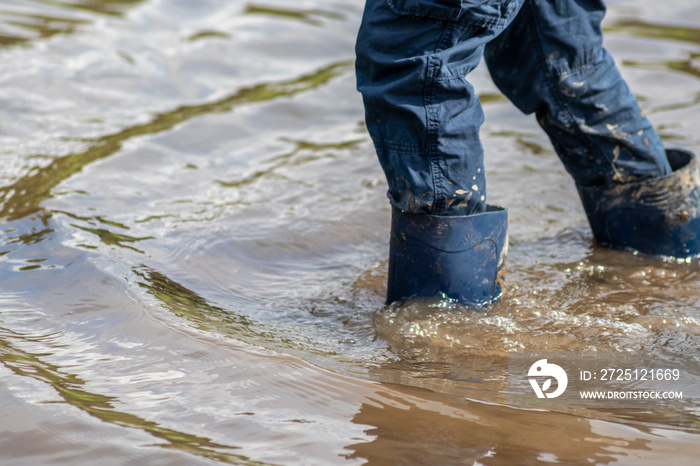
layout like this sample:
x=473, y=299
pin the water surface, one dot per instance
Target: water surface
x=194, y=242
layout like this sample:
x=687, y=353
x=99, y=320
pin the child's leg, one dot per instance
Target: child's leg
x=551, y=61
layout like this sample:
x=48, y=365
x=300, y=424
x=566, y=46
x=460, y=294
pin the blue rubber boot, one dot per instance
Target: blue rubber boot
x=462, y=257
x=658, y=216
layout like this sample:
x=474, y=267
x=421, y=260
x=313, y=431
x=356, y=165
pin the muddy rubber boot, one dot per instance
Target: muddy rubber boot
x=462, y=257
x=658, y=216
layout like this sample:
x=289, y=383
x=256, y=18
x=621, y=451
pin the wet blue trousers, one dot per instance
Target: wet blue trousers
x=413, y=62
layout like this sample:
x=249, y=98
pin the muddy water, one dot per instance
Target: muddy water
x=194, y=240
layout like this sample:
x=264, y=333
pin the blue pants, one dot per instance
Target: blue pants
x=546, y=56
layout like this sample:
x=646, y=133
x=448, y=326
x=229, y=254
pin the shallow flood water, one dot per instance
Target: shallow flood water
x=194, y=240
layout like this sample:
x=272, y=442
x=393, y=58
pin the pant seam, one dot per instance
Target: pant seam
x=433, y=122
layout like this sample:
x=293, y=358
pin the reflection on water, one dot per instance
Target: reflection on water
x=19, y=27
x=187, y=304
x=209, y=34
x=412, y=424
x=105, y=7
x=666, y=32
x=655, y=31
x=194, y=240
x=306, y=16
x=292, y=158
x=684, y=66
x=31, y=26
x=70, y=388
x=23, y=197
